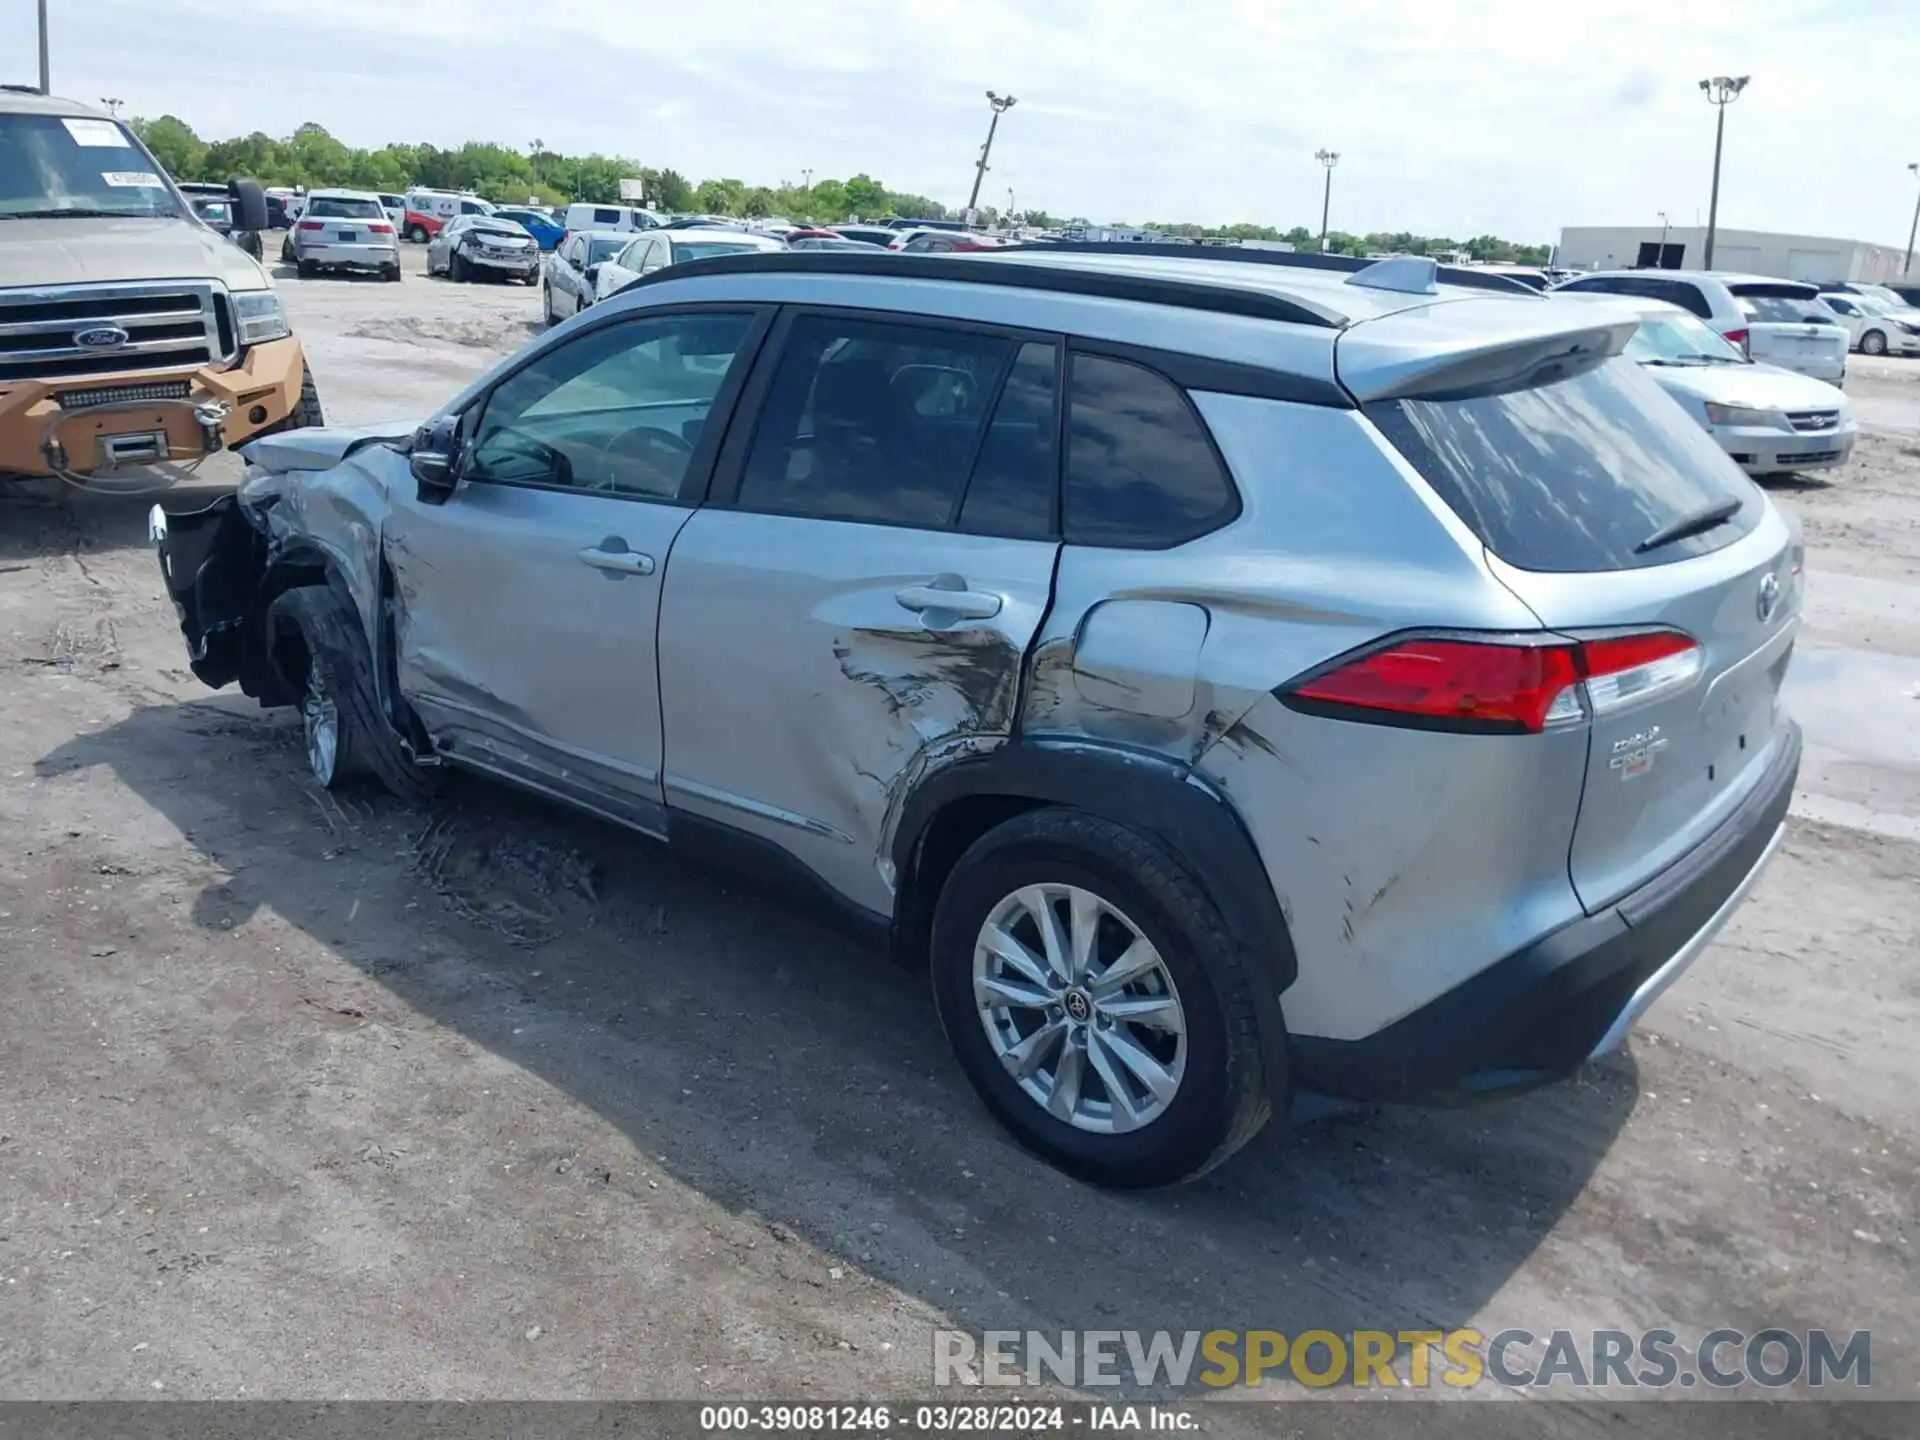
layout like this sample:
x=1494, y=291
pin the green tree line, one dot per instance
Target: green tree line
x=311, y=156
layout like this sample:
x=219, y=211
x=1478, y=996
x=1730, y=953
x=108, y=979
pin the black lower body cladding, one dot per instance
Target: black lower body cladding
x=212, y=562
x=1538, y=1015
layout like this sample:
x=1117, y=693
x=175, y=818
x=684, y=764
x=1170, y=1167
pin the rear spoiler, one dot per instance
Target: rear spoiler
x=1475, y=347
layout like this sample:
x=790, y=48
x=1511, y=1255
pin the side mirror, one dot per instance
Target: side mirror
x=249, y=205
x=435, y=461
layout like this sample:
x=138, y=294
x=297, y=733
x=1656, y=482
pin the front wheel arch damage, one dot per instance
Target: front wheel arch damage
x=315, y=630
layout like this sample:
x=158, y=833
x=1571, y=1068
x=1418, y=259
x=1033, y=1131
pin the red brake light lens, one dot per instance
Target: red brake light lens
x=1499, y=687
x=311, y=225
x=1736, y=337
x=1449, y=684
x=380, y=229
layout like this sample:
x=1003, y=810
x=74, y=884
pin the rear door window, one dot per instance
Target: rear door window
x=873, y=421
x=1142, y=472
x=1016, y=474
x=1574, y=472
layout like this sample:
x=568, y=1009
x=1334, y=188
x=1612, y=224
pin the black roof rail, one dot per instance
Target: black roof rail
x=1298, y=259
x=975, y=269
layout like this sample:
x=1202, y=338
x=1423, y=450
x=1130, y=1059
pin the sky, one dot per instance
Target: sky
x=1451, y=117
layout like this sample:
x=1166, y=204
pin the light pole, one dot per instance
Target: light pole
x=1009, y=219
x=806, y=179
x=1001, y=104
x=46, y=75
x=113, y=105
x=1906, y=266
x=1660, y=262
x=1328, y=158
x=1721, y=91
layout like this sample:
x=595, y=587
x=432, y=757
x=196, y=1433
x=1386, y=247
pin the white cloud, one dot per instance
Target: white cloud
x=1458, y=118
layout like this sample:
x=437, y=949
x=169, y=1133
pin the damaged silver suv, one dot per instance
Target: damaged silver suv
x=1236, y=677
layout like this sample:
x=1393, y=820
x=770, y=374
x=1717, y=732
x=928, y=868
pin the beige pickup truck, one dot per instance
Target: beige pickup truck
x=134, y=339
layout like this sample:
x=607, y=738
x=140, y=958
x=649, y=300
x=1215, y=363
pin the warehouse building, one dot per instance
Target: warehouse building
x=1755, y=252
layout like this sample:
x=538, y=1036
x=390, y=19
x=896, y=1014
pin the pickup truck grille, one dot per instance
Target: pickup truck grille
x=1813, y=419
x=59, y=332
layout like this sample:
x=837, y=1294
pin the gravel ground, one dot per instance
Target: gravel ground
x=314, y=1098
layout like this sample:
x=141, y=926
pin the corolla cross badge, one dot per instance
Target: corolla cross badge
x=1769, y=598
x=1634, y=755
x=100, y=337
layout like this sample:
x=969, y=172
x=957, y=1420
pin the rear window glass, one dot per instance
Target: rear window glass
x=1575, y=474
x=706, y=249
x=605, y=248
x=327, y=208
x=1775, y=305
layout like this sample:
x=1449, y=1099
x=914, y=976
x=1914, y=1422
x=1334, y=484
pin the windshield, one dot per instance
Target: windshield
x=1873, y=305
x=327, y=207
x=53, y=165
x=702, y=249
x=1679, y=338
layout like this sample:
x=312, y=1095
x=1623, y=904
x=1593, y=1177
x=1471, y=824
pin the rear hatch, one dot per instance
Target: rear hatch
x=1622, y=525
x=1784, y=324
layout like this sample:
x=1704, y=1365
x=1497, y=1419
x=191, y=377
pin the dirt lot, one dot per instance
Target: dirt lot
x=313, y=1099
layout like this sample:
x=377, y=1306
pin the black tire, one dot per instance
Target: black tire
x=286, y=250
x=390, y=273
x=306, y=269
x=307, y=414
x=321, y=656
x=546, y=306
x=1873, y=343
x=458, y=269
x=418, y=234
x=1224, y=1097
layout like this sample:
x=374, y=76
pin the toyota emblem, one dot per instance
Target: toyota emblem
x=1769, y=600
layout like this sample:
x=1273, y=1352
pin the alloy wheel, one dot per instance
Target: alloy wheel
x=1080, y=1008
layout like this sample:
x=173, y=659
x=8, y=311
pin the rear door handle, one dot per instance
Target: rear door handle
x=949, y=593
x=616, y=562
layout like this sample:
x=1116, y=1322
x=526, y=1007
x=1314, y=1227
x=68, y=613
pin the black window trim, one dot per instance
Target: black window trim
x=726, y=400
x=1219, y=520
x=729, y=473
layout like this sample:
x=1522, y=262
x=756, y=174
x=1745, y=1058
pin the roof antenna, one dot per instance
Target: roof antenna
x=1409, y=274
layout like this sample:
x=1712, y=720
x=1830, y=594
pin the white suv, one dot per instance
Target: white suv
x=1779, y=322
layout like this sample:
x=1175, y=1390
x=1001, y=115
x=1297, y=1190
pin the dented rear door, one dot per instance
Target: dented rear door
x=855, y=608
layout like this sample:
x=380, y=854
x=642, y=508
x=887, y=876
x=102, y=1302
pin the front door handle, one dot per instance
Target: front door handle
x=949, y=593
x=612, y=556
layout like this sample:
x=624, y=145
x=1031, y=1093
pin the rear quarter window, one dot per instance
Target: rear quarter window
x=1573, y=474
x=1141, y=470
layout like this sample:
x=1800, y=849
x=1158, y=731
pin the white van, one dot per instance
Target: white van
x=581, y=216
x=428, y=210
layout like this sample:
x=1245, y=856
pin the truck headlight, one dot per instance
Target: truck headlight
x=259, y=316
x=1744, y=416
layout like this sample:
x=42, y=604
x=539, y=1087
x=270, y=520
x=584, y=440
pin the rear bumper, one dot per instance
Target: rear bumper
x=1831, y=368
x=1540, y=1013
x=526, y=264
x=367, y=257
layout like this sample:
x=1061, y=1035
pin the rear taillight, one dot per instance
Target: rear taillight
x=1737, y=337
x=311, y=225
x=379, y=229
x=1497, y=686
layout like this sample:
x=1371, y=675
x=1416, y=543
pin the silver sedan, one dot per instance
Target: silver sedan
x=476, y=247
